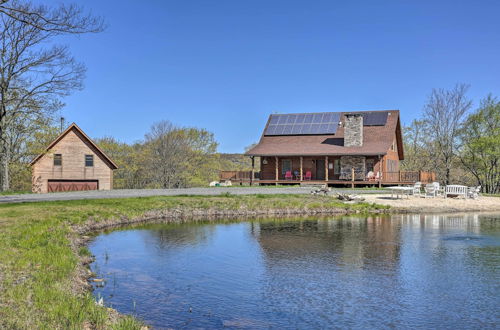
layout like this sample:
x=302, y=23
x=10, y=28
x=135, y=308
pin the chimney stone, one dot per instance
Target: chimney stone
x=353, y=130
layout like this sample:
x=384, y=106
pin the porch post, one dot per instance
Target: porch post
x=380, y=168
x=276, y=163
x=326, y=168
x=301, y=170
x=252, y=177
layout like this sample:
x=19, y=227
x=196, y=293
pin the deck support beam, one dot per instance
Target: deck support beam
x=301, y=169
x=380, y=169
x=276, y=168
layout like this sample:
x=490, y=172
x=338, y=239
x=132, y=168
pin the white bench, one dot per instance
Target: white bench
x=456, y=190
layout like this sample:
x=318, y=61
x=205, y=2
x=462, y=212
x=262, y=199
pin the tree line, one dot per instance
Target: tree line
x=460, y=143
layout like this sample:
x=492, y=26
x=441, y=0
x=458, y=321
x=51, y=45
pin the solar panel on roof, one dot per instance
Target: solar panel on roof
x=308, y=118
x=375, y=118
x=303, y=124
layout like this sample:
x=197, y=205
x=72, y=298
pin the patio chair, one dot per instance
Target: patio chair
x=439, y=189
x=417, y=188
x=430, y=190
x=474, y=192
x=308, y=176
x=370, y=176
x=288, y=175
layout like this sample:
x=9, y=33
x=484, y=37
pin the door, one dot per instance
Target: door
x=320, y=169
x=72, y=185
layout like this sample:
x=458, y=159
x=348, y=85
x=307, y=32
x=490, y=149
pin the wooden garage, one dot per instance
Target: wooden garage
x=72, y=162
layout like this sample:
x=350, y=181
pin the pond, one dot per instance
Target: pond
x=398, y=271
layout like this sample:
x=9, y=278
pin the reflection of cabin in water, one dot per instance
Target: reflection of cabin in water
x=357, y=241
x=337, y=148
x=72, y=162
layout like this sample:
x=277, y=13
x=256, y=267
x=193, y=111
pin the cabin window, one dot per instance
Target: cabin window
x=89, y=160
x=286, y=165
x=57, y=159
x=393, y=146
x=336, y=166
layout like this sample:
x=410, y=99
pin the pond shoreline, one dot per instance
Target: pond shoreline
x=84, y=233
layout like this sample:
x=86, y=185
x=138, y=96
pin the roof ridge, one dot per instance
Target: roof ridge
x=63, y=134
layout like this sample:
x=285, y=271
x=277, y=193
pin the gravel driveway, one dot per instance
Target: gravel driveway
x=124, y=193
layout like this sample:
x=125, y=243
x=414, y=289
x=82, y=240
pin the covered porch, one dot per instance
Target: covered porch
x=332, y=170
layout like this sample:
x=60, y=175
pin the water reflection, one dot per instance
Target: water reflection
x=358, y=272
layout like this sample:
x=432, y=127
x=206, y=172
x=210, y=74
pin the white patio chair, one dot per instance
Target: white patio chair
x=474, y=192
x=439, y=189
x=430, y=190
x=417, y=188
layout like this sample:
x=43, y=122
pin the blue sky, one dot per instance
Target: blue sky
x=225, y=65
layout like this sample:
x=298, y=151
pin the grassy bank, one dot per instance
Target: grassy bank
x=40, y=265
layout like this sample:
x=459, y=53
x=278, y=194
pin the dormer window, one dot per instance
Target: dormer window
x=57, y=160
x=89, y=160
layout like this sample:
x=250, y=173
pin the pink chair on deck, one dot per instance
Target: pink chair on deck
x=288, y=175
x=308, y=176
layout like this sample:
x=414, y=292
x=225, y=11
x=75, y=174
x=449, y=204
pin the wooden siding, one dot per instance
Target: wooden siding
x=73, y=147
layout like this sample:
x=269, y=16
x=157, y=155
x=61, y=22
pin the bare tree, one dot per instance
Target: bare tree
x=66, y=19
x=176, y=156
x=417, y=147
x=168, y=152
x=33, y=74
x=444, y=114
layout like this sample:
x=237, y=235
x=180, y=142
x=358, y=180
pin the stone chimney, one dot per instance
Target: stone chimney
x=353, y=130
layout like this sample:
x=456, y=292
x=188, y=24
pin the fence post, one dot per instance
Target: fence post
x=352, y=177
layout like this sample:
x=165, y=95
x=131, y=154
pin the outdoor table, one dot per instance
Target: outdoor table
x=400, y=191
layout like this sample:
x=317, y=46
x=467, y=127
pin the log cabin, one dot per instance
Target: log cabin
x=336, y=148
x=72, y=162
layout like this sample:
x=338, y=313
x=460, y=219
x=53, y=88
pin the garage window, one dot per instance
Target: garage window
x=57, y=159
x=89, y=160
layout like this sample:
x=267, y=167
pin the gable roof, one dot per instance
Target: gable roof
x=377, y=140
x=84, y=137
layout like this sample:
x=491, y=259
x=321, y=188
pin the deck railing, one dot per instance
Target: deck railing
x=237, y=175
x=393, y=177
x=409, y=176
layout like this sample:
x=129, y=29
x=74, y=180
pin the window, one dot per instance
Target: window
x=286, y=165
x=57, y=159
x=394, y=146
x=89, y=160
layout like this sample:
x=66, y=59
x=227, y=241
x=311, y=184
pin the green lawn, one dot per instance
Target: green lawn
x=38, y=265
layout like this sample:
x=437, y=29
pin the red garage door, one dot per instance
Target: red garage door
x=72, y=185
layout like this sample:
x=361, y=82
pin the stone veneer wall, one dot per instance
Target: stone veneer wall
x=347, y=163
x=353, y=130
